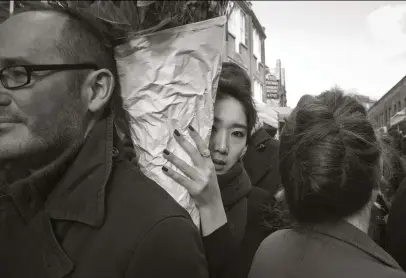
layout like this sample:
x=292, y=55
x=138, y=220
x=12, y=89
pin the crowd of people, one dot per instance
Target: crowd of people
x=325, y=200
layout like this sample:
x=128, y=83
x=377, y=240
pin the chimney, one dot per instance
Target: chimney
x=283, y=78
x=278, y=69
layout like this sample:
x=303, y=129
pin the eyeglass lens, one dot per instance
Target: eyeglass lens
x=14, y=76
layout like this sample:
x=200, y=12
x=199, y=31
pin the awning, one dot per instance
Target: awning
x=398, y=117
x=283, y=112
x=267, y=114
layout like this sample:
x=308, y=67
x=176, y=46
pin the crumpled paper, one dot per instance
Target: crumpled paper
x=168, y=81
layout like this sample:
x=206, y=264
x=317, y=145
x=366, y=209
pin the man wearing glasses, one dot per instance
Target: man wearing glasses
x=71, y=205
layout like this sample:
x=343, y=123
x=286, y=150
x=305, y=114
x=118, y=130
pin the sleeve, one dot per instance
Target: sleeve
x=220, y=248
x=173, y=248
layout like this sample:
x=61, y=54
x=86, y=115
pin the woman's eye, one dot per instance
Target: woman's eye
x=238, y=134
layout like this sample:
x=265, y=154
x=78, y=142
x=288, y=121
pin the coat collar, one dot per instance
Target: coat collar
x=234, y=185
x=73, y=187
x=260, y=137
x=80, y=193
x=348, y=233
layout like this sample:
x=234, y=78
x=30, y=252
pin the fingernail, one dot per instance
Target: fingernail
x=166, y=152
x=164, y=169
x=191, y=128
x=176, y=132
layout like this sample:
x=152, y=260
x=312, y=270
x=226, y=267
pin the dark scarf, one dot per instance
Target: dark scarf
x=235, y=185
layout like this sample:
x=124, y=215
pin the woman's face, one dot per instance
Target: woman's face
x=228, y=141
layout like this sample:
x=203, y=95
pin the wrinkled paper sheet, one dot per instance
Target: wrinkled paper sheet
x=168, y=81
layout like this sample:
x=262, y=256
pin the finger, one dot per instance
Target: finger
x=180, y=179
x=189, y=171
x=191, y=150
x=200, y=144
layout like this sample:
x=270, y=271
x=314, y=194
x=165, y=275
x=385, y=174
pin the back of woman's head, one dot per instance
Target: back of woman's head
x=329, y=158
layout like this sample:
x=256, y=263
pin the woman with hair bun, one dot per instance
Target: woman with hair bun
x=331, y=167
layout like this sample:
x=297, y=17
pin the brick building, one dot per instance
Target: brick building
x=392, y=102
x=246, y=45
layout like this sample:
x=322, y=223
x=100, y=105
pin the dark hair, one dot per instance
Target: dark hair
x=234, y=82
x=329, y=157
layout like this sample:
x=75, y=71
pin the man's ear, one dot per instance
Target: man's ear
x=97, y=89
x=244, y=151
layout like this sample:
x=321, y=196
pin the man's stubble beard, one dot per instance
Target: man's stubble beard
x=48, y=138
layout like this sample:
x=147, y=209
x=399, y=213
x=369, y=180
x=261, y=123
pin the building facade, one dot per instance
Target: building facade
x=276, y=86
x=391, y=103
x=246, y=45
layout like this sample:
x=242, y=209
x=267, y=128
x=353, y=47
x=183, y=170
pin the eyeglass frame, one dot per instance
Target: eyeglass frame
x=52, y=67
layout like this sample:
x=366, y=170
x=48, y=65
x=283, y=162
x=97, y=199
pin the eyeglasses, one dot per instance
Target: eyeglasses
x=14, y=77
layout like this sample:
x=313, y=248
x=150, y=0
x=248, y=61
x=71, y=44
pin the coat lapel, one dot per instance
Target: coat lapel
x=57, y=263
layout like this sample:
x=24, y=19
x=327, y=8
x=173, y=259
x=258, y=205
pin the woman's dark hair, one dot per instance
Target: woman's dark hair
x=234, y=82
x=329, y=158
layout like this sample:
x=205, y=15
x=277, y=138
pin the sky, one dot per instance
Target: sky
x=357, y=45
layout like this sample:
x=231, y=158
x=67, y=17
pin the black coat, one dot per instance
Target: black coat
x=228, y=255
x=97, y=217
x=326, y=251
x=396, y=227
x=262, y=161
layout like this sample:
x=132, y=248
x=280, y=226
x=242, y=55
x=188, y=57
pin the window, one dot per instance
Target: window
x=256, y=45
x=399, y=105
x=258, y=90
x=243, y=29
x=232, y=22
x=394, y=109
x=237, y=27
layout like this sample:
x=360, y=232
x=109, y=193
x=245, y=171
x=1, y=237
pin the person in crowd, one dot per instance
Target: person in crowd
x=395, y=241
x=261, y=158
x=232, y=211
x=397, y=138
x=394, y=171
x=380, y=209
x=331, y=166
x=71, y=205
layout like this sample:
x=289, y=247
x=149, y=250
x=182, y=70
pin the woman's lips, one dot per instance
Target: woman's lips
x=219, y=162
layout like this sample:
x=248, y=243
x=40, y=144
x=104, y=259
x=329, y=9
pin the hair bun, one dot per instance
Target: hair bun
x=328, y=157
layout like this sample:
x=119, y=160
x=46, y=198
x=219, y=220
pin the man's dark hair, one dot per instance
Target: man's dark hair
x=329, y=156
x=234, y=82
